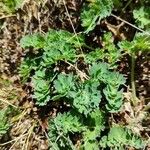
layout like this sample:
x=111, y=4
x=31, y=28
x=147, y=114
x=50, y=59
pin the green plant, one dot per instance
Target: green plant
x=141, y=42
x=109, y=52
x=67, y=69
x=142, y=17
x=97, y=10
x=10, y=6
x=68, y=124
x=82, y=92
x=120, y=138
x=4, y=125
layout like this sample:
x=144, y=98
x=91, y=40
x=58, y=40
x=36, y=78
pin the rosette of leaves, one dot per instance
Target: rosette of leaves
x=64, y=84
x=121, y=138
x=113, y=95
x=51, y=48
x=41, y=88
x=93, y=11
x=95, y=126
x=61, y=127
x=87, y=97
x=112, y=81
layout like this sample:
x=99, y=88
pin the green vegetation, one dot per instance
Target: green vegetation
x=64, y=68
x=4, y=125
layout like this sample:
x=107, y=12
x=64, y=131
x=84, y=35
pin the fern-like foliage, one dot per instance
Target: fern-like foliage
x=113, y=81
x=64, y=85
x=36, y=40
x=41, y=88
x=142, y=16
x=121, y=137
x=109, y=52
x=94, y=131
x=4, y=125
x=61, y=127
x=141, y=42
x=87, y=97
x=25, y=68
x=94, y=11
x=67, y=124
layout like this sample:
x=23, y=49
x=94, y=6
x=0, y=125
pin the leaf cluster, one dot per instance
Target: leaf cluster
x=88, y=97
x=4, y=125
x=94, y=11
x=82, y=96
x=120, y=138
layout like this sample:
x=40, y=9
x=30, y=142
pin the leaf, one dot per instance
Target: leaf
x=87, y=98
x=99, y=71
x=36, y=41
x=94, y=12
x=60, y=45
x=142, y=16
x=4, y=125
x=64, y=84
x=113, y=95
x=141, y=42
x=94, y=56
x=61, y=126
x=25, y=68
x=41, y=88
x=95, y=127
x=119, y=136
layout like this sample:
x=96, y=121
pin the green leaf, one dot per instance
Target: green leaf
x=64, y=84
x=141, y=42
x=99, y=71
x=94, y=12
x=36, y=41
x=95, y=127
x=25, y=68
x=119, y=136
x=87, y=98
x=4, y=125
x=41, y=88
x=142, y=16
x=94, y=56
x=60, y=128
x=113, y=95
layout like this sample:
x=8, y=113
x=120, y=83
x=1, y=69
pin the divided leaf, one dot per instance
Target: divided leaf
x=60, y=128
x=63, y=85
x=142, y=16
x=41, y=88
x=141, y=42
x=87, y=98
x=4, y=126
x=95, y=11
x=120, y=136
x=35, y=40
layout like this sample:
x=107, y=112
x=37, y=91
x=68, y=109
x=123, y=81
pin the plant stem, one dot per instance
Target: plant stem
x=134, y=98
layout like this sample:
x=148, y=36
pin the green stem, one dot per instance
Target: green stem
x=134, y=98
